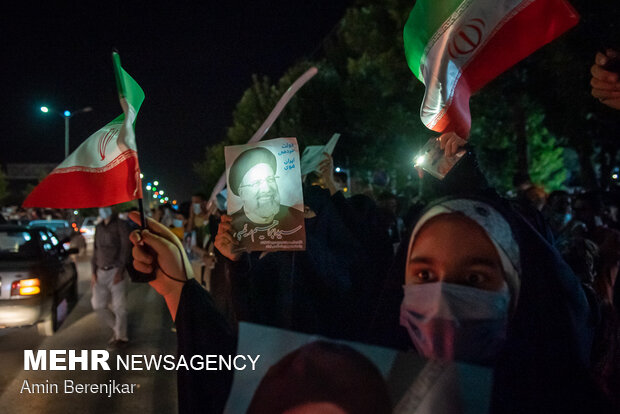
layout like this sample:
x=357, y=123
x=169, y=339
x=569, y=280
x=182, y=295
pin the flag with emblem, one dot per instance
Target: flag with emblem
x=104, y=169
x=455, y=47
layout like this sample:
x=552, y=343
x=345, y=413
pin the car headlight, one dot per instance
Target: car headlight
x=26, y=287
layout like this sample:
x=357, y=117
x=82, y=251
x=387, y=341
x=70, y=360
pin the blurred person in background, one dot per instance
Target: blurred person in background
x=111, y=255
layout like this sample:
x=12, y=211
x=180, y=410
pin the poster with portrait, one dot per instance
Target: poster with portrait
x=265, y=197
x=415, y=384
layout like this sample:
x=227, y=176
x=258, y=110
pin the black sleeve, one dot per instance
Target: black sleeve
x=347, y=213
x=202, y=330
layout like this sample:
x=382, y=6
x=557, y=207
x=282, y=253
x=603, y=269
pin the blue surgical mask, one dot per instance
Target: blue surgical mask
x=105, y=212
x=447, y=321
x=196, y=207
x=177, y=223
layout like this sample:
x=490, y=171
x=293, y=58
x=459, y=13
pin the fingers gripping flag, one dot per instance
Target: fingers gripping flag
x=104, y=169
x=455, y=47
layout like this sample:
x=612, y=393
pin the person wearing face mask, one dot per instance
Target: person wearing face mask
x=456, y=299
x=110, y=258
x=483, y=287
x=197, y=213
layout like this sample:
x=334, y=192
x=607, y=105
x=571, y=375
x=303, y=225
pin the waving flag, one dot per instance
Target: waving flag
x=104, y=169
x=455, y=47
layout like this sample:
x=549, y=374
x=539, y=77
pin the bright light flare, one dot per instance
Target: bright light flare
x=45, y=109
x=420, y=160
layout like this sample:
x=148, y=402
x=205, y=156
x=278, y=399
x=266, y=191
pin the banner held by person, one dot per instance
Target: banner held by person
x=104, y=169
x=455, y=47
x=265, y=197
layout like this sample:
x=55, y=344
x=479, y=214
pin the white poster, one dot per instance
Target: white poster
x=265, y=197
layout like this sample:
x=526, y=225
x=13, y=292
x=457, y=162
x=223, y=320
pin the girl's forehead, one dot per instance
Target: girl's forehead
x=454, y=235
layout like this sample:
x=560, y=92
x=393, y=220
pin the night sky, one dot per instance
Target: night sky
x=193, y=62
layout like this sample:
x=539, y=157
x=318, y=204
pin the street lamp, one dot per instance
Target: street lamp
x=66, y=115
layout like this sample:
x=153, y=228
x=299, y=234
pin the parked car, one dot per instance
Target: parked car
x=88, y=230
x=61, y=228
x=38, y=281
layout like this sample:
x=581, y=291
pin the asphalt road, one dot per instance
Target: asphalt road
x=150, y=332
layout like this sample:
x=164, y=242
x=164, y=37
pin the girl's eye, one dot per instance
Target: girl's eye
x=475, y=279
x=423, y=276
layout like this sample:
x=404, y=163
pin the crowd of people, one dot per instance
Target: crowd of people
x=524, y=285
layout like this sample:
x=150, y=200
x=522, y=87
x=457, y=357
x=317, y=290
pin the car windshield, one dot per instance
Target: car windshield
x=18, y=244
x=52, y=225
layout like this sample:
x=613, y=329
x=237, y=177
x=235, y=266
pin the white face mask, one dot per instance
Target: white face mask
x=105, y=212
x=454, y=322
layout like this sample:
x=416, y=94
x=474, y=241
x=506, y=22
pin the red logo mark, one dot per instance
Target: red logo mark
x=467, y=39
x=105, y=139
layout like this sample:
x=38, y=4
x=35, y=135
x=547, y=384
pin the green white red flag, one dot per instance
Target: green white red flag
x=455, y=47
x=104, y=169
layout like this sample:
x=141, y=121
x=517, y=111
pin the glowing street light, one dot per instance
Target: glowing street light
x=66, y=115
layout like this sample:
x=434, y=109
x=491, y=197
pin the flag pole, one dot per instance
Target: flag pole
x=142, y=216
x=120, y=87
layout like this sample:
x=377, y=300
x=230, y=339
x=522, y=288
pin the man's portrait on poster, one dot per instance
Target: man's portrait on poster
x=262, y=221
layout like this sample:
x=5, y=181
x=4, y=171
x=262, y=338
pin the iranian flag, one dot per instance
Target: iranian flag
x=104, y=169
x=455, y=47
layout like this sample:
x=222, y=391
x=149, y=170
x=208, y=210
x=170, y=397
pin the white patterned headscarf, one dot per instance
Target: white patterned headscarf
x=495, y=226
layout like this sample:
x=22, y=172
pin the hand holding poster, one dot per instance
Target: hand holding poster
x=265, y=197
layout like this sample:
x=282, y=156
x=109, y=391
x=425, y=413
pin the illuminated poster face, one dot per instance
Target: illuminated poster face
x=265, y=197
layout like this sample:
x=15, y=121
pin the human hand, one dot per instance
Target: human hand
x=451, y=143
x=605, y=85
x=158, y=248
x=326, y=171
x=224, y=240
